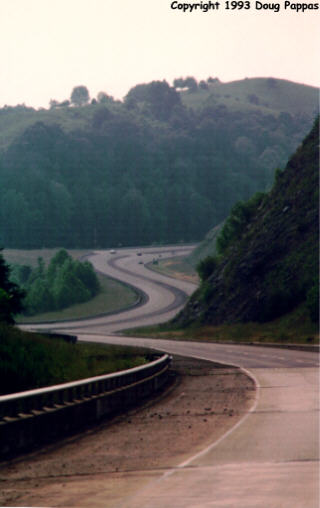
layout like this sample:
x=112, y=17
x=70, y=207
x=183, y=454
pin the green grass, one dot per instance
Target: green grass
x=283, y=96
x=177, y=267
x=29, y=360
x=114, y=296
x=293, y=328
x=30, y=257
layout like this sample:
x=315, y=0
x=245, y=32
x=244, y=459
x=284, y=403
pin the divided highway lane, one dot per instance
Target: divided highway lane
x=163, y=296
x=269, y=459
x=246, y=357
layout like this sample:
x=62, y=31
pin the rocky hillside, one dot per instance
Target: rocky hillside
x=273, y=266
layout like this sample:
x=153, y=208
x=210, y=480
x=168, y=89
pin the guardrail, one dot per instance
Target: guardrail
x=34, y=417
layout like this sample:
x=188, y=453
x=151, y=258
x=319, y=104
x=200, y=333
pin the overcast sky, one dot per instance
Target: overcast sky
x=49, y=46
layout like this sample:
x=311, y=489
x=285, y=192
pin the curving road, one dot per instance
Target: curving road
x=162, y=297
x=270, y=458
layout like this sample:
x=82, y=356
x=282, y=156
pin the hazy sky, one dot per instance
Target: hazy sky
x=49, y=46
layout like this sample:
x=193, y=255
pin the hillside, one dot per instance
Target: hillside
x=146, y=170
x=273, y=266
x=267, y=95
x=205, y=248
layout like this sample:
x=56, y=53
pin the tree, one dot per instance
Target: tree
x=206, y=267
x=67, y=288
x=79, y=96
x=103, y=98
x=191, y=83
x=11, y=295
x=203, y=85
x=160, y=98
x=213, y=80
x=39, y=297
x=178, y=83
x=86, y=274
x=56, y=264
x=53, y=103
x=240, y=215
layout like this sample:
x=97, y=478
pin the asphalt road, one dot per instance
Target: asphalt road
x=163, y=296
x=270, y=458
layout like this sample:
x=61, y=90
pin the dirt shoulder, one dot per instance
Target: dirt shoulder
x=105, y=465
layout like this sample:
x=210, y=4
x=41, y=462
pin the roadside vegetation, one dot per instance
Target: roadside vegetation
x=64, y=282
x=261, y=284
x=266, y=260
x=29, y=360
x=111, y=297
x=177, y=267
x=293, y=328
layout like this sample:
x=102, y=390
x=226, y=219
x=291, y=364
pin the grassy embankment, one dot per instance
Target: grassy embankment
x=113, y=297
x=295, y=327
x=177, y=267
x=29, y=360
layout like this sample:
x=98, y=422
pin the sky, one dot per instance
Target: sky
x=47, y=47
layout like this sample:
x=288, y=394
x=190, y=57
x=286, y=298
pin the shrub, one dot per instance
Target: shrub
x=207, y=291
x=206, y=267
x=64, y=283
x=237, y=221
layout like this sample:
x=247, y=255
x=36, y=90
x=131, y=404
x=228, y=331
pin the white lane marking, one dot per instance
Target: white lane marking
x=224, y=436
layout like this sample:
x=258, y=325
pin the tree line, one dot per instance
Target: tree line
x=145, y=170
x=63, y=283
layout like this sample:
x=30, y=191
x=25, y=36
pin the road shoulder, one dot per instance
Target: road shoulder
x=111, y=462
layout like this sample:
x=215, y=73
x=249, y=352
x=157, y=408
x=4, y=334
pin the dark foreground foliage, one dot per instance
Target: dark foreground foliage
x=11, y=295
x=29, y=360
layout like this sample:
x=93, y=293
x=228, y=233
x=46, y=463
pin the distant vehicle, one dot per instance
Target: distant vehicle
x=139, y=253
x=140, y=263
x=112, y=251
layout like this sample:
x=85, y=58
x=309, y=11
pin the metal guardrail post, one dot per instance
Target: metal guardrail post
x=34, y=417
x=26, y=402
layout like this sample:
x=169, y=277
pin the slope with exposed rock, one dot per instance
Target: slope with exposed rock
x=273, y=267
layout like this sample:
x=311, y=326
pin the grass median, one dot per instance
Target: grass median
x=114, y=295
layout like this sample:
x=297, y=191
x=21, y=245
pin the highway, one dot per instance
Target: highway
x=270, y=458
x=163, y=296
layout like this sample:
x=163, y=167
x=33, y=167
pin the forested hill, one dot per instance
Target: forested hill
x=164, y=165
x=268, y=251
